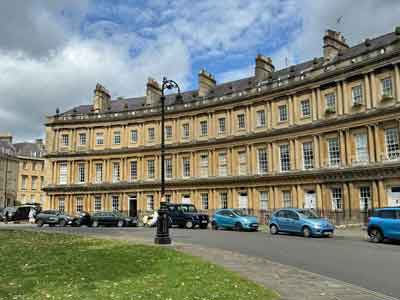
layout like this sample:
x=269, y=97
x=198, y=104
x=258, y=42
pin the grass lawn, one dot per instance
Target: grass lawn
x=55, y=266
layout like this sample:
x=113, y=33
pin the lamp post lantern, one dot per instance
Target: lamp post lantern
x=162, y=236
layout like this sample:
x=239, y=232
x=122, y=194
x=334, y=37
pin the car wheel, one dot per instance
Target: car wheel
x=238, y=226
x=39, y=223
x=95, y=224
x=51, y=225
x=121, y=223
x=189, y=224
x=306, y=232
x=62, y=223
x=273, y=229
x=375, y=235
x=214, y=225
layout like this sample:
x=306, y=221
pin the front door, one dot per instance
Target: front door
x=310, y=200
x=243, y=201
x=133, y=206
x=394, y=196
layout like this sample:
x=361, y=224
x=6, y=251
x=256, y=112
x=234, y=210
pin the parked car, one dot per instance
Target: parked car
x=300, y=221
x=384, y=224
x=186, y=215
x=53, y=217
x=234, y=219
x=113, y=218
x=83, y=218
x=18, y=213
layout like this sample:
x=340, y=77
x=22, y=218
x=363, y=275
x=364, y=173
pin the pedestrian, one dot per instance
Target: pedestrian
x=32, y=215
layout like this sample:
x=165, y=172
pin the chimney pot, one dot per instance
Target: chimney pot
x=101, y=98
x=334, y=42
x=153, y=92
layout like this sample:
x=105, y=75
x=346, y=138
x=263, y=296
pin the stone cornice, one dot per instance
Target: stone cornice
x=351, y=174
x=294, y=87
x=380, y=115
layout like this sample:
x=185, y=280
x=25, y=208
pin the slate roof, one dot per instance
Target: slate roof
x=29, y=149
x=246, y=83
x=7, y=148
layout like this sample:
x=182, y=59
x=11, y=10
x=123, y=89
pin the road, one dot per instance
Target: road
x=347, y=258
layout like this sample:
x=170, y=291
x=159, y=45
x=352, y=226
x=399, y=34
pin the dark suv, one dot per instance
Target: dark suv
x=384, y=223
x=53, y=217
x=17, y=213
x=186, y=215
x=113, y=218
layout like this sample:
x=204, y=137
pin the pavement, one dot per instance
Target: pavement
x=345, y=267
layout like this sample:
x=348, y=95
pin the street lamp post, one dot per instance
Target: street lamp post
x=162, y=236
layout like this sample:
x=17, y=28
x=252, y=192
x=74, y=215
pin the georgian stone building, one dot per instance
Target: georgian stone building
x=8, y=171
x=31, y=174
x=322, y=134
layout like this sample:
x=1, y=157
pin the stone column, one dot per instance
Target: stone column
x=269, y=114
x=346, y=98
x=367, y=91
x=291, y=110
x=249, y=118
x=297, y=155
x=375, y=195
x=270, y=158
x=292, y=156
x=378, y=149
x=349, y=151
x=319, y=199
x=321, y=104
x=371, y=146
x=300, y=200
x=374, y=94
x=340, y=102
x=294, y=196
x=250, y=170
x=397, y=81
x=314, y=105
x=382, y=196
x=342, y=145
x=317, y=155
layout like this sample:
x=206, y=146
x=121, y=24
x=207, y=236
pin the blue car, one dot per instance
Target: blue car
x=233, y=219
x=300, y=221
x=384, y=223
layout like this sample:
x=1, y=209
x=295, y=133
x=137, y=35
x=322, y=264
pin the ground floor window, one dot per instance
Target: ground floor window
x=365, y=198
x=287, y=198
x=79, y=204
x=336, y=196
x=394, y=196
x=150, y=202
x=115, y=202
x=61, y=204
x=264, y=200
x=97, y=203
x=243, y=200
x=223, y=198
x=204, y=200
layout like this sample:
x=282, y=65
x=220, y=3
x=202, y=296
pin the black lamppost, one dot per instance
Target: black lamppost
x=162, y=236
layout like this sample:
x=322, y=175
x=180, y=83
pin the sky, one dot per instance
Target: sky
x=52, y=53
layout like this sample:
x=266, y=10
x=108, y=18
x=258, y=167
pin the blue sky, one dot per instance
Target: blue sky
x=52, y=53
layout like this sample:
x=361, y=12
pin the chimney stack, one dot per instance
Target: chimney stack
x=264, y=67
x=101, y=98
x=206, y=83
x=334, y=42
x=153, y=92
x=6, y=137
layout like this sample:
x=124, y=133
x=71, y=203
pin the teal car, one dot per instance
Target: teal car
x=233, y=219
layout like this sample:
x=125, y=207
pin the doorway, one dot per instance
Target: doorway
x=243, y=200
x=133, y=205
x=310, y=200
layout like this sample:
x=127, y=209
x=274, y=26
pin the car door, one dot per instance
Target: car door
x=396, y=233
x=293, y=219
x=388, y=222
x=282, y=220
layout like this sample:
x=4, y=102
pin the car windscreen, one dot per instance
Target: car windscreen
x=240, y=213
x=308, y=214
x=188, y=208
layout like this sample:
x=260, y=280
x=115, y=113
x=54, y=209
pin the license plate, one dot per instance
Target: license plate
x=204, y=221
x=254, y=225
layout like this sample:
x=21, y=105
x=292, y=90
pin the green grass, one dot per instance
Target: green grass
x=55, y=266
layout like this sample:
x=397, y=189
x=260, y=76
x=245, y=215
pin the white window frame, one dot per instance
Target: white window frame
x=357, y=94
x=185, y=167
x=97, y=203
x=150, y=202
x=117, y=137
x=116, y=172
x=115, y=202
x=168, y=131
x=392, y=143
x=82, y=138
x=61, y=204
x=151, y=134
x=134, y=136
x=99, y=172
x=99, y=138
x=168, y=168
x=333, y=152
x=185, y=130
x=361, y=145
x=387, y=87
x=223, y=199
x=262, y=161
x=287, y=199
x=222, y=164
x=284, y=157
x=221, y=125
x=204, y=161
x=63, y=173
x=261, y=118
x=204, y=128
x=337, y=199
x=365, y=197
x=241, y=121
x=330, y=101
x=79, y=204
x=204, y=200
x=263, y=195
x=308, y=155
x=305, y=108
x=151, y=173
x=133, y=170
x=242, y=155
x=65, y=139
x=283, y=113
x=81, y=172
